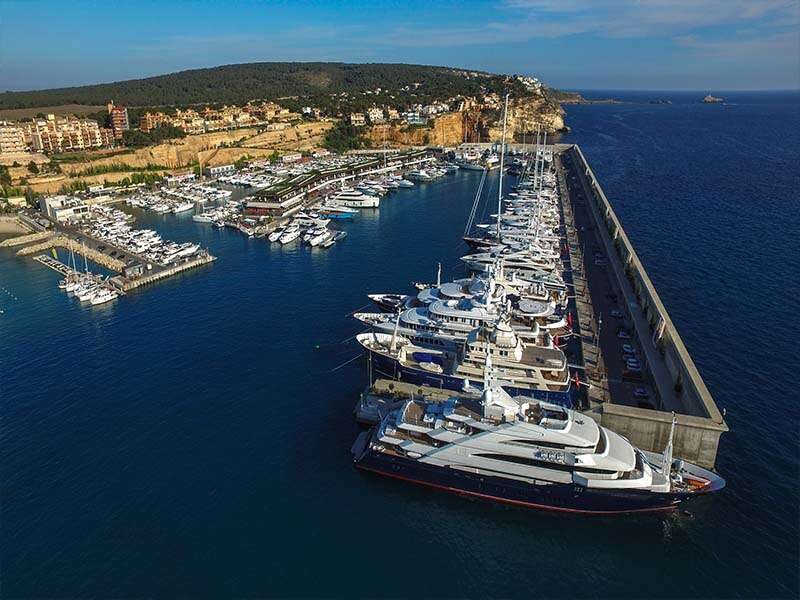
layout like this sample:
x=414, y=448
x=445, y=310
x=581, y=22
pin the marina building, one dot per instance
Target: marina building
x=219, y=170
x=292, y=157
x=63, y=208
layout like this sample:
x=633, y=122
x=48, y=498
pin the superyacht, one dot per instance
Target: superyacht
x=527, y=453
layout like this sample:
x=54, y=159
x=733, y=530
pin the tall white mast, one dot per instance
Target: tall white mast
x=666, y=468
x=502, y=158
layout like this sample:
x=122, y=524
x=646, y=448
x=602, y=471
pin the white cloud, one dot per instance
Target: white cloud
x=636, y=18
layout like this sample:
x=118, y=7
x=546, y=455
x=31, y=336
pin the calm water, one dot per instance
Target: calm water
x=191, y=439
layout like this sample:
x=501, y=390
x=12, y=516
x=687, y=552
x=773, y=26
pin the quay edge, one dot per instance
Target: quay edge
x=672, y=370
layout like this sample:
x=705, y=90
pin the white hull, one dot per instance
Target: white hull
x=369, y=202
x=288, y=238
x=183, y=208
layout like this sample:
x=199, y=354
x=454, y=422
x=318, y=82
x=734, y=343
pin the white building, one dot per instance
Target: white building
x=12, y=138
x=291, y=158
x=219, y=170
x=375, y=115
x=63, y=208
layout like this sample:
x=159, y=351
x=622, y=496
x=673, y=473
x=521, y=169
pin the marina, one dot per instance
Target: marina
x=92, y=227
x=233, y=411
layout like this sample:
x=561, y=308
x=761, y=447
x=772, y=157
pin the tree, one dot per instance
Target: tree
x=5, y=176
x=344, y=137
x=134, y=137
x=33, y=168
x=274, y=157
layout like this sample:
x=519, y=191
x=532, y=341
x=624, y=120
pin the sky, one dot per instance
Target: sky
x=709, y=45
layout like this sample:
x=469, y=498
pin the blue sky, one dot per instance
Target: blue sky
x=602, y=44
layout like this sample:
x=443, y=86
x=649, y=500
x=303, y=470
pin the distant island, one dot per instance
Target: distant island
x=713, y=99
x=577, y=98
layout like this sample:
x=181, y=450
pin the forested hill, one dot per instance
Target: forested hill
x=237, y=84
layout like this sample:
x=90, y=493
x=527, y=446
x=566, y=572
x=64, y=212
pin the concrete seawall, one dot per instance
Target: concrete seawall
x=28, y=238
x=699, y=422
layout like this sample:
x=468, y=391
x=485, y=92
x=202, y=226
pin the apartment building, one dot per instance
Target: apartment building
x=376, y=115
x=119, y=119
x=12, y=138
x=62, y=134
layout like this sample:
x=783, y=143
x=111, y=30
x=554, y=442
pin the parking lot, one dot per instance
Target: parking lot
x=620, y=363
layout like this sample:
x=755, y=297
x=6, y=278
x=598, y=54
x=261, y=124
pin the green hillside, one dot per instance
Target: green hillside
x=240, y=83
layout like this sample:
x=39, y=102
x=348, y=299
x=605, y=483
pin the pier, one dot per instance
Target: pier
x=610, y=277
x=127, y=284
x=614, y=305
x=130, y=269
x=28, y=238
x=56, y=265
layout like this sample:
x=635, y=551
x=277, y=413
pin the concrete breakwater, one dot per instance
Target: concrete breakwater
x=671, y=370
x=126, y=284
x=22, y=240
x=61, y=241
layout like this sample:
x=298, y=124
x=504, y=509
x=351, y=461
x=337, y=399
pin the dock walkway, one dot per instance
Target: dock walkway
x=56, y=265
x=130, y=284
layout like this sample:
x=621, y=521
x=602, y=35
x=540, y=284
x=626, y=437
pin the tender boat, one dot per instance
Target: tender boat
x=104, y=295
x=290, y=234
x=276, y=235
x=183, y=207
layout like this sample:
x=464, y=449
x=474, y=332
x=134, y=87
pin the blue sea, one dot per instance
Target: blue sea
x=192, y=439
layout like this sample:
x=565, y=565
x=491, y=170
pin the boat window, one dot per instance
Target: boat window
x=520, y=460
x=537, y=443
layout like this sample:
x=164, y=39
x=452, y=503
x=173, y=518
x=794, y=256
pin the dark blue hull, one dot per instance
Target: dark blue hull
x=565, y=497
x=390, y=368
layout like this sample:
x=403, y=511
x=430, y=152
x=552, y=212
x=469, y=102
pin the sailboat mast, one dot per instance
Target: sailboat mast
x=502, y=157
x=544, y=145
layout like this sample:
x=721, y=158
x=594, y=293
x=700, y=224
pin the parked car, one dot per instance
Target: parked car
x=641, y=392
x=633, y=363
x=628, y=349
x=616, y=313
x=623, y=334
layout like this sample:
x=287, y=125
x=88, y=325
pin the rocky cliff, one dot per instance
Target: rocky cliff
x=474, y=125
x=524, y=116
